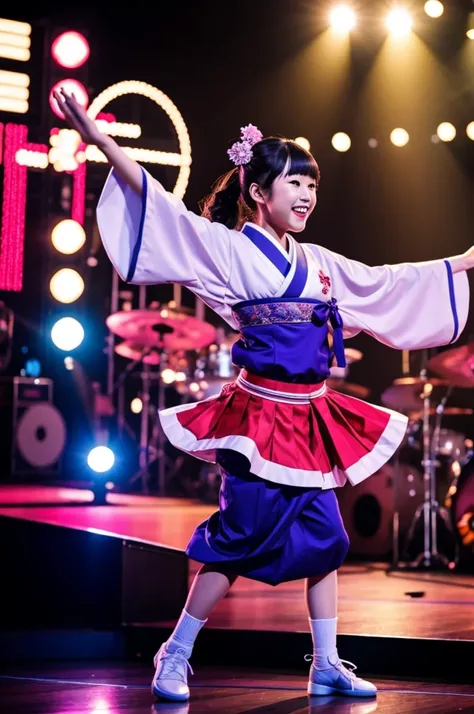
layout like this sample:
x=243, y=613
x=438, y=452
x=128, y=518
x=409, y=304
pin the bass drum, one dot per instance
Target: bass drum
x=460, y=501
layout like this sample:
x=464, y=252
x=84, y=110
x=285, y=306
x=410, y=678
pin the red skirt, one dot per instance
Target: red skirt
x=295, y=434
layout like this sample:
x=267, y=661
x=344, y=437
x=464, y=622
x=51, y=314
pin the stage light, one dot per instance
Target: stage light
x=168, y=375
x=67, y=333
x=341, y=141
x=69, y=363
x=399, y=22
x=304, y=143
x=68, y=236
x=434, y=8
x=342, y=19
x=66, y=285
x=14, y=79
x=70, y=49
x=183, y=160
x=15, y=106
x=14, y=92
x=15, y=40
x=32, y=159
x=446, y=131
x=32, y=367
x=101, y=459
x=136, y=405
x=470, y=26
x=399, y=137
x=470, y=130
x=63, y=154
x=116, y=128
x=71, y=86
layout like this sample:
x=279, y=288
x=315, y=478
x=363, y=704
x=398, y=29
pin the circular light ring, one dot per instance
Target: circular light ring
x=165, y=103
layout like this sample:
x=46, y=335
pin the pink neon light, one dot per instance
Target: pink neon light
x=72, y=86
x=106, y=116
x=40, y=148
x=70, y=49
x=13, y=210
x=1, y=143
x=78, y=207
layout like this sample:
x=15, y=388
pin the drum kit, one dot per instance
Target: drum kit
x=434, y=460
x=171, y=346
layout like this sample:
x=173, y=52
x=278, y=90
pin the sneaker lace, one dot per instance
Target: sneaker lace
x=347, y=668
x=175, y=663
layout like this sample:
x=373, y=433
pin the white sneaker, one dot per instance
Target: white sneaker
x=338, y=679
x=171, y=675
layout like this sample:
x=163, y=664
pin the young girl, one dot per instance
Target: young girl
x=283, y=440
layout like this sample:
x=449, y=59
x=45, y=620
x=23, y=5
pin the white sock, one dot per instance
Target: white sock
x=185, y=633
x=324, y=642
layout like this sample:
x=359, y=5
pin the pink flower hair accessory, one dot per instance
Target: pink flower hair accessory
x=241, y=152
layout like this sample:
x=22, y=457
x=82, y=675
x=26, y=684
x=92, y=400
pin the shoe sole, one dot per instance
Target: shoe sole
x=159, y=694
x=321, y=690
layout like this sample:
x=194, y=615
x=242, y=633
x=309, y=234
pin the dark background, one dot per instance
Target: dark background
x=269, y=63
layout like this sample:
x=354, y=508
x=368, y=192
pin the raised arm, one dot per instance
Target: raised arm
x=77, y=118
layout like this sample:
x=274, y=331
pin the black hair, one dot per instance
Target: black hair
x=230, y=202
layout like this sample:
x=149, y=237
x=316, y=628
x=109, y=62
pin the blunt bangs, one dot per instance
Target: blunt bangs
x=301, y=162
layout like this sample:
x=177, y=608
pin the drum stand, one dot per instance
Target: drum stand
x=430, y=509
x=150, y=450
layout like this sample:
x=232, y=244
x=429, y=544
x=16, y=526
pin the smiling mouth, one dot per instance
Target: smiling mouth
x=300, y=212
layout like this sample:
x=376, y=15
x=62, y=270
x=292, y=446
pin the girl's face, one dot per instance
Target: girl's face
x=289, y=203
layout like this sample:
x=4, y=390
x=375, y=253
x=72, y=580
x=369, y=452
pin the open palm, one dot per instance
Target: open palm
x=77, y=118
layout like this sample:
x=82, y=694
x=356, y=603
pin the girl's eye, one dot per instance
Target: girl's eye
x=297, y=183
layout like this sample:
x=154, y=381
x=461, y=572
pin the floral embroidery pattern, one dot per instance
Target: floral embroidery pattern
x=325, y=281
x=273, y=313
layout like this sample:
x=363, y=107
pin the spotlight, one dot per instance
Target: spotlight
x=70, y=49
x=68, y=236
x=304, y=143
x=67, y=333
x=66, y=285
x=101, y=459
x=399, y=137
x=136, y=405
x=470, y=130
x=399, y=22
x=434, y=8
x=470, y=26
x=446, y=131
x=341, y=141
x=342, y=19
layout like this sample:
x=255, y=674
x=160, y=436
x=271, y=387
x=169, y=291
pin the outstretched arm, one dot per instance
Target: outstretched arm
x=78, y=119
x=463, y=262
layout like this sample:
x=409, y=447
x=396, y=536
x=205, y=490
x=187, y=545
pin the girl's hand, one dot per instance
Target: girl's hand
x=77, y=118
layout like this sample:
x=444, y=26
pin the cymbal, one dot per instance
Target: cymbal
x=133, y=352
x=166, y=328
x=456, y=365
x=447, y=411
x=353, y=390
x=405, y=394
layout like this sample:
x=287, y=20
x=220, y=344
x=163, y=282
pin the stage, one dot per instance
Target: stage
x=391, y=622
x=372, y=599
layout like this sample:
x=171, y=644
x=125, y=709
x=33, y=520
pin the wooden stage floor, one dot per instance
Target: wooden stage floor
x=107, y=689
x=372, y=600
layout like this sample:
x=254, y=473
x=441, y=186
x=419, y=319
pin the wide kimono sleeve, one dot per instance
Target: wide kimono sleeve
x=153, y=238
x=406, y=306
